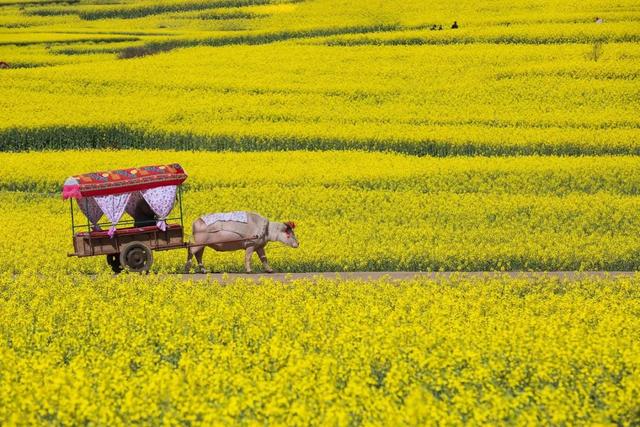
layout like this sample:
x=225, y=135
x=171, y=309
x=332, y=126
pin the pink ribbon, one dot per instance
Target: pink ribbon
x=112, y=231
x=162, y=225
x=71, y=191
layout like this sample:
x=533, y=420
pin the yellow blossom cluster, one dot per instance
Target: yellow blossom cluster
x=157, y=350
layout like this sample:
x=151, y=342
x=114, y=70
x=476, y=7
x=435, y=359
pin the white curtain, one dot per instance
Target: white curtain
x=91, y=210
x=113, y=207
x=161, y=201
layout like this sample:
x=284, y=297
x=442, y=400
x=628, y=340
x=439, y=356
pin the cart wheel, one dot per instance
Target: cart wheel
x=114, y=262
x=136, y=257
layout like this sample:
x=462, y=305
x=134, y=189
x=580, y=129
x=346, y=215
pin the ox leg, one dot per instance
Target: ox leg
x=247, y=258
x=199, y=252
x=187, y=265
x=263, y=257
x=191, y=251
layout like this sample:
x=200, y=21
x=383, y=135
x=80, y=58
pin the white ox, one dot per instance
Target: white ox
x=235, y=231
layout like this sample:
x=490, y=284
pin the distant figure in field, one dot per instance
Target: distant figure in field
x=439, y=27
x=455, y=25
x=433, y=27
x=4, y=64
x=599, y=20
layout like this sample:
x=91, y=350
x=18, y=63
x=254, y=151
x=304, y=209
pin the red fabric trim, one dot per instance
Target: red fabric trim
x=90, y=190
x=129, y=230
x=124, y=180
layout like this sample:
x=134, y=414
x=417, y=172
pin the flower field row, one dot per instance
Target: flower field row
x=538, y=78
x=157, y=350
x=360, y=211
x=530, y=33
x=138, y=9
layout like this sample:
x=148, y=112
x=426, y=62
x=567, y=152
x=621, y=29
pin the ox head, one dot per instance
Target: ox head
x=287, y=235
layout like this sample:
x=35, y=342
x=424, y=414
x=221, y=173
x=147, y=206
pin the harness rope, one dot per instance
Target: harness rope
x=265, y=232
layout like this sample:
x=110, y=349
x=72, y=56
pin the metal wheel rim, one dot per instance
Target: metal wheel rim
x=136, y=259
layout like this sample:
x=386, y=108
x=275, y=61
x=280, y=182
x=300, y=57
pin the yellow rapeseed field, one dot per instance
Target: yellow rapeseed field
x=161, y=351
x=359, y=211
x=520, y=78
x=395, y=142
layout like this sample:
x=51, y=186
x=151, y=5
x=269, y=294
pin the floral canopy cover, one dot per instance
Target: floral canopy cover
x=115, y=192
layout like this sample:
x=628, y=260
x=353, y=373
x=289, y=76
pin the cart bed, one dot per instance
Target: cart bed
x=99, y=242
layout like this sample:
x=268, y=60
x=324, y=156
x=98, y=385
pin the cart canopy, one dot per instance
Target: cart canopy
x=122, y=181
x=112, y=193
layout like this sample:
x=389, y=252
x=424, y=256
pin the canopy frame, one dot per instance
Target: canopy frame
x=88, y=227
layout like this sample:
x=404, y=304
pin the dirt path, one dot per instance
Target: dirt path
x=404, y=275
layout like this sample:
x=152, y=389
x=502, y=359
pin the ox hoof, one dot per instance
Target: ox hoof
x=187, y=267
x=269, y=271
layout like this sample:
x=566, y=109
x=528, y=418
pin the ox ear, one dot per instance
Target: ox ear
x=290, y=225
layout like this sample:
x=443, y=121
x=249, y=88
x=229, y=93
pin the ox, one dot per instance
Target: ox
x=234, y=231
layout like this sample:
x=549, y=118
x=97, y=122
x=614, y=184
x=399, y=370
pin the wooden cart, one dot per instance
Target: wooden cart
x=127, y=243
